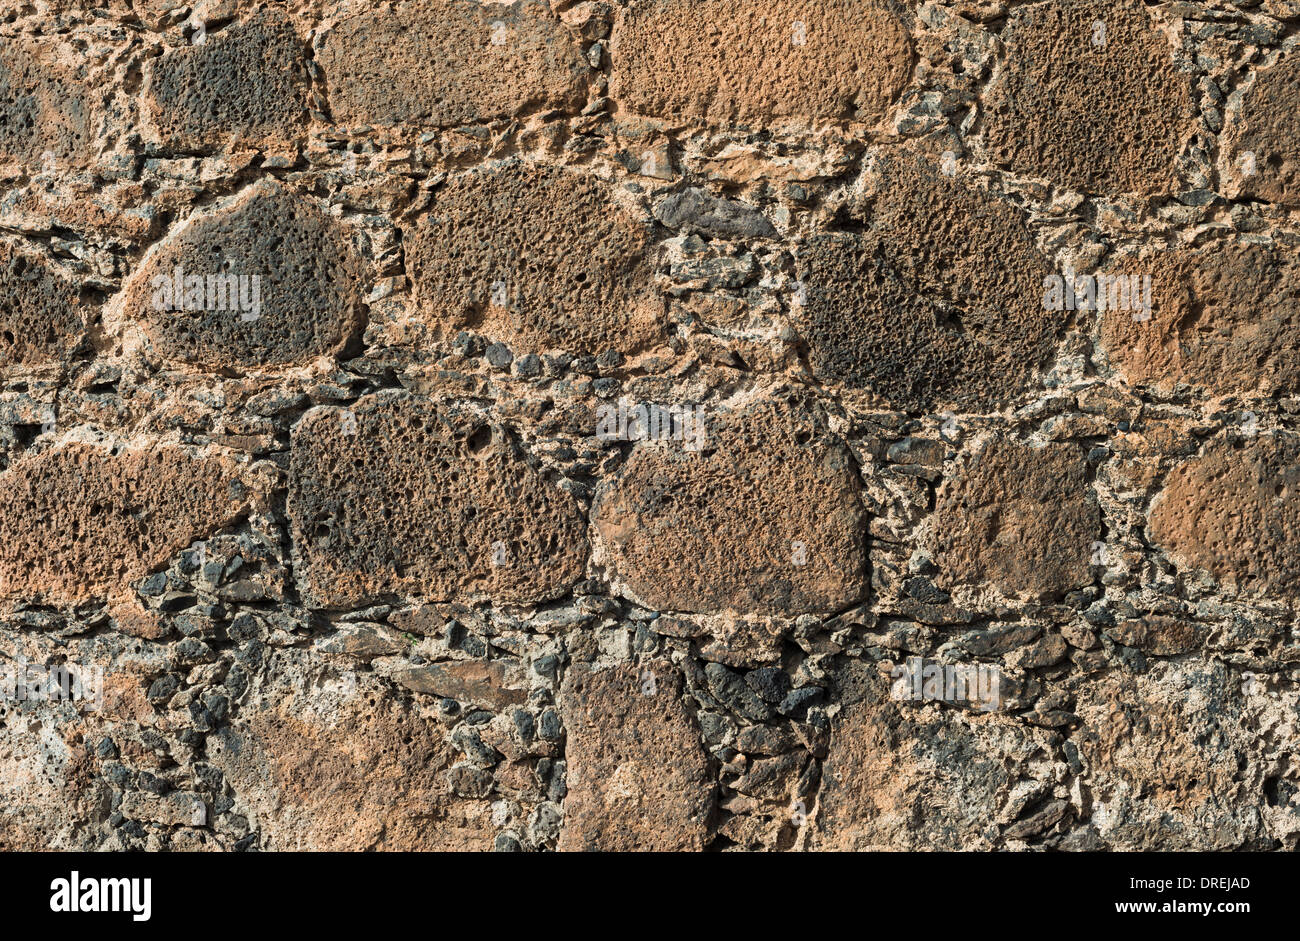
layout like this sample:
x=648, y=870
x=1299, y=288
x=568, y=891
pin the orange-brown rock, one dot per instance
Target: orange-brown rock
x=638, y=776
x=1019, y=517
x=1235, y=513
x=498, y=253
x=763, y=518
x=364, y=771
x=80, y=522
x=447, y=62
x=756, y=62
x=1089, y=96
x=1260, y=143
x=1223, y=318
x=280, y=284
x=243, y=86
x=398, y=496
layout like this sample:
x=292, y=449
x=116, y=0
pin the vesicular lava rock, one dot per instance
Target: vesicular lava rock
x=834, y=60
x=399, y=495
x=764, y=517
x=499, y=252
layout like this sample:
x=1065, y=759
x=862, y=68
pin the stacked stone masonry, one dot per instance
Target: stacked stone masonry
x=554, y=425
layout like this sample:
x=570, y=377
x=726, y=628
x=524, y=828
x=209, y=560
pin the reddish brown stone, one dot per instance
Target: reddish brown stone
x=1235, y=512
x=764, y=518
x=81, y=522
x=830, y=60
x=638, y=776
x=442, y=63
x=499, y=253
x=1019, y=517
x=476, y=515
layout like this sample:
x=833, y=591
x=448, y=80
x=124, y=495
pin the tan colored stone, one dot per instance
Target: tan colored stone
x=1108, y=117
x=903, y=777
x=765, y=518
x=1223, y=318
x=364, y=773
x=478, y=681
x=443, y=63
x=538, y=258
x=81, y=522
x=756, y=62
x=1022, y=518
x=398, y=496
x=1260, y=143
x=638, y=775
x=1235, y=512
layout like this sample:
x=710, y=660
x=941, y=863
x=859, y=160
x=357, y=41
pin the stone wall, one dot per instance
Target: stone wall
x=649, y=424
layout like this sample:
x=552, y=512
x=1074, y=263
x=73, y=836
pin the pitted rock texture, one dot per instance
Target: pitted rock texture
x=346, y=776
x=628, y=425
x=1260, y=144
x=82, y=521
x=1019, y=517
x=638, y=776
x=906, y=308
x=822, y=61
x=41, y=316
x=899, y=778
x=46, y=114
x=244, y=84
x=1089, y=96
x=1232, y=512
x=476, y=516
x=1223, y=319
x=499, y=252
x=306, y=300
x=446, y=62
x=767, y=470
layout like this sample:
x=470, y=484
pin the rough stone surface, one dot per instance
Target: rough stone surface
x=1019, y=517
x=41, y=316
x=449, y=62
x=1232, y=512
x=497, y=252
x=822, y=61
x=638, y=775
x=308, y=299
x=908, y=309
x=80, y=521
x=1223, y=319
x=477, y=517
x=770, y=476
x=1260, y=146
x=245, y=85
x=400, y=561
x=1099, y=110
x=47, y=114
